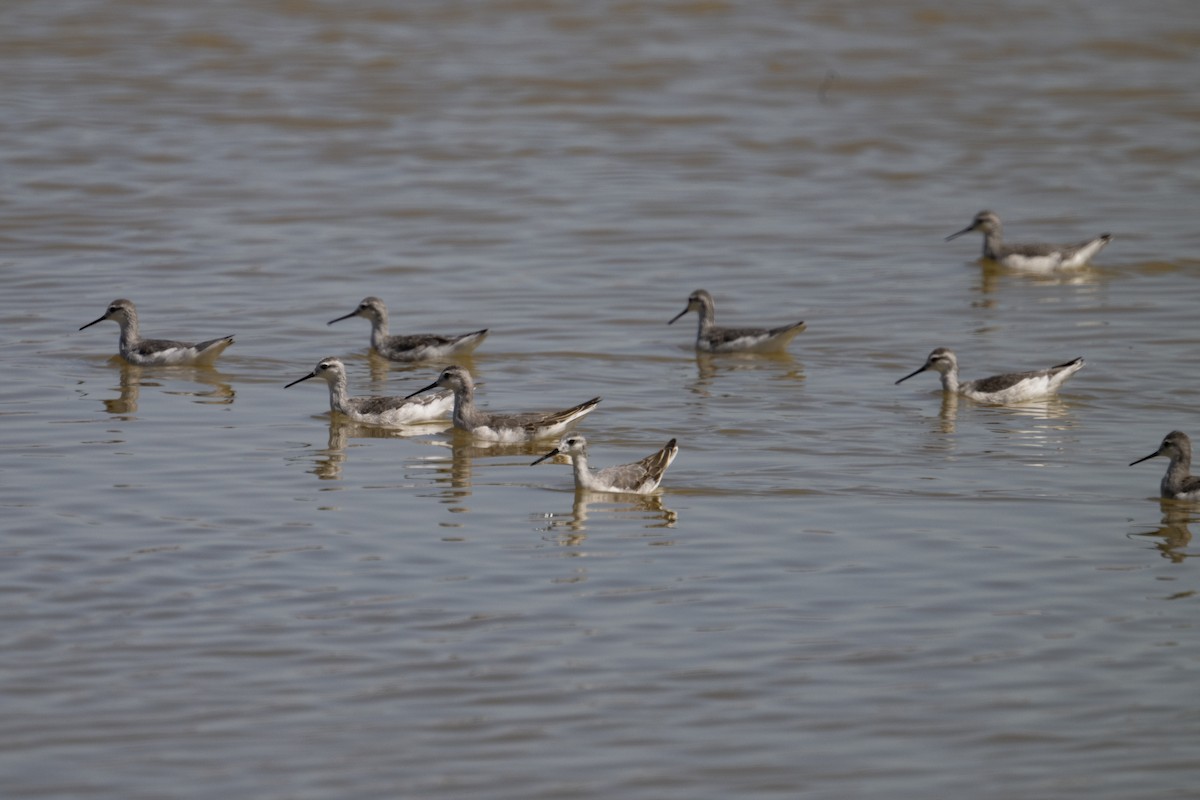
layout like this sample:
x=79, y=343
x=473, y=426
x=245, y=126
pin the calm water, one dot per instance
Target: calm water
x=848, y=589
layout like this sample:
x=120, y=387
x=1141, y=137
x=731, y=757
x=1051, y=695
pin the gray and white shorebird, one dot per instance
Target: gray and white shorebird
x=411, y=347
x=1012, y=387
x=1035, y=257
x=1177, y=483
x=156, y=352
x=713, y=339
x=519, y=427
x=640, y=477
x=378, y=410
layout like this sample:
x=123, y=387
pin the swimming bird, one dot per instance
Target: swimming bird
x=1012, y=387
x=713, y=339
x=1177, y=483
x=501, y=427
x=156, y=352
x=414, y=347
x=1037, y=257
x=640, y=477
x=376, y=410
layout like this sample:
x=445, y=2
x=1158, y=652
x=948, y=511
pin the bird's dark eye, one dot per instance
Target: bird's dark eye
x=323, y=366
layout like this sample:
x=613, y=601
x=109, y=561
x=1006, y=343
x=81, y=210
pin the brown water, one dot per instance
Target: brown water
x=848, y=589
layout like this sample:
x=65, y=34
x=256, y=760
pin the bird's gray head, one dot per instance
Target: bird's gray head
x=1178, y=442
x=941, y=360
x=454, y=377
x=985, y=222
x=331, y=369
x=371, y=307
x=119, y=310
x=697, y=301
x=571, y=444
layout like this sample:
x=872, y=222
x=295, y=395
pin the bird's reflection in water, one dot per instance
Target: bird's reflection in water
x=455, y=473
x=709, y=366
x=383, y=371
x=1013, y=418
x=941, y=442
x=569, y=528
x=1040, y=425
x=993, y=274
x=327, y=465
x=133, y=377
x=129, y=386
x=1050, y=408
x=948, y=413
x=1173, y=533
x=1036, y=424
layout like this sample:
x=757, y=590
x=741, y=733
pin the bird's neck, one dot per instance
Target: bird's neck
x=1177, y=475
x=339, y=399
x=466, y=415
x=992, y=242
x=379, y=330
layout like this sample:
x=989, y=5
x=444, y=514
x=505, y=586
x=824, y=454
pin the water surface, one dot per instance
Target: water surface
x=846, y=589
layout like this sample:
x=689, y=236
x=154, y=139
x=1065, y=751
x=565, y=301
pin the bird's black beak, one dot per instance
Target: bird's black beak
x=433, y=385
x=1157, y=452
x=967, y=229
x=312, y=374
x=914, y=372
x=551, y=454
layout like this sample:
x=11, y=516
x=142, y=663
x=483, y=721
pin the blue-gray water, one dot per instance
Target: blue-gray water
x=845, y=590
